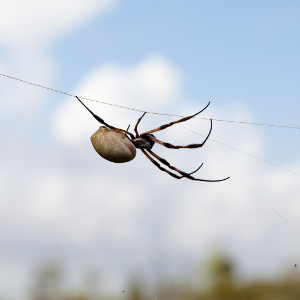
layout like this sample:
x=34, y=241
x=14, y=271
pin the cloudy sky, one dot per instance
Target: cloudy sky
x=60, y=200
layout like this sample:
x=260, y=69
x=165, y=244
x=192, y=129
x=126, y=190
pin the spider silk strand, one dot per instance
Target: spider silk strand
x=256, y=157
x=149, y=112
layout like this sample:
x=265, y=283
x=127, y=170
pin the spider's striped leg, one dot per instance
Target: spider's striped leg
x=137, y=123
x=187, y=175
x=162, y=160
x=159, y=166
x=176, y=176
x=172, y=123
x=179, y=147
x=100, y=120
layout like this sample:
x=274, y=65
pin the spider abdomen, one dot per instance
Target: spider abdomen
x=113, y=145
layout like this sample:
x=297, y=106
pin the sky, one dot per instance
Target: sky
x=60, y=200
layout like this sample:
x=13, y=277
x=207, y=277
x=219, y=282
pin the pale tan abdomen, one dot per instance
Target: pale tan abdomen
x=113, y=145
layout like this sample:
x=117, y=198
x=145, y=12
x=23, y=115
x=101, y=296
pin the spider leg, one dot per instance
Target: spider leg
x=176, y=176
x=159, y=166
x=196, y=170
x=162, y=160
x=172, y=123
x=187, y=175
x=137, y=123
x=100, y=120
x=178, y=147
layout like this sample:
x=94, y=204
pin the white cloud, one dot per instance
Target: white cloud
x=27, y=28
x=33, y=23
x=120, y=214
x=192, y=215
x=151, y=85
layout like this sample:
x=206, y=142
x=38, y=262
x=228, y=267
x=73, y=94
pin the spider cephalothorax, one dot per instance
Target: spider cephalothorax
x=144, y=142
x=119, y=145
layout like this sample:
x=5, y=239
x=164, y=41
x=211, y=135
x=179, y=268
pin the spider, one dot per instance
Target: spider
x=119, y=145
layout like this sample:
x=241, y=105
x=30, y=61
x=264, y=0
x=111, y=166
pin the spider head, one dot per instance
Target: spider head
x=143, y=142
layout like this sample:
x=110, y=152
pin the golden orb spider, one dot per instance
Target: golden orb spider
x=119, y=145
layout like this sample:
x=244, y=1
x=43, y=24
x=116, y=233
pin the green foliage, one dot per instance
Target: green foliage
x=48, y=281
x=222, y=285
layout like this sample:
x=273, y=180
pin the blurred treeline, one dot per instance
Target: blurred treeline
x=220, y=282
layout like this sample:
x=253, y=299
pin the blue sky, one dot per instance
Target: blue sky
x=163, y=56
x=227, y=51
x=224, y=49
